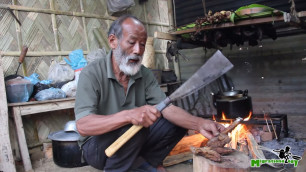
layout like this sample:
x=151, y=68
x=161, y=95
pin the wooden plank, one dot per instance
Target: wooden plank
x=46, y=107
x=22, y=140
x=41, y=102
x=166, y=36
x=7, y=162
x=229, y=24
x=175, y=159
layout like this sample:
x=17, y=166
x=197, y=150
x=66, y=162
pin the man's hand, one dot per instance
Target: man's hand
x=209, y=128
x=144, y=115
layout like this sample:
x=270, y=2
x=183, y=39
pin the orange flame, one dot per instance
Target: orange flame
x=249, y=117
x=214, y=118
x=223, y=116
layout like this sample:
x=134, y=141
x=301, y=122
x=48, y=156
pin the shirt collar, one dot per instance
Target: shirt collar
x=110, y=72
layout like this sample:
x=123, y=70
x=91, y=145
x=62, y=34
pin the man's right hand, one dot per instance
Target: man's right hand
x=145, y=115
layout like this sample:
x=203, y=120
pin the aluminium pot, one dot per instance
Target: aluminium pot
x=65, y=148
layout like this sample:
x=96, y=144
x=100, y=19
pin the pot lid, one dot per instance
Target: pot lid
x=18, y=81
x=64, y=136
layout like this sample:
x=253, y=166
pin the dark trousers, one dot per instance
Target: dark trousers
x=152, y=144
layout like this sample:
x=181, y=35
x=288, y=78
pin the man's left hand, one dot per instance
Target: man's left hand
x=209, y=128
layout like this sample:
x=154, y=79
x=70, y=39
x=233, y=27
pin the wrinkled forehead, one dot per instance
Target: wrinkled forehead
x=133, y=28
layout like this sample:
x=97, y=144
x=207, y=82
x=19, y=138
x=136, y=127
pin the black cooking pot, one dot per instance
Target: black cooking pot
x=233, y=103
x=66, y=151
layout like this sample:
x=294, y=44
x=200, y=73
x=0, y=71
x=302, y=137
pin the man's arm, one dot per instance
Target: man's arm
x=180, y=117
x=93, y=124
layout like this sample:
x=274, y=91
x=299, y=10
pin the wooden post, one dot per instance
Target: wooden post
x=22, y=140
x=234, y=162
x=7, y=162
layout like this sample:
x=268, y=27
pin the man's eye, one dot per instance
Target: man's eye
x=143, y=45
x=132, y=43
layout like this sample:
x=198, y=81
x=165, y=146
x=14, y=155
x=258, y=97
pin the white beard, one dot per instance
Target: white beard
x=122, y=60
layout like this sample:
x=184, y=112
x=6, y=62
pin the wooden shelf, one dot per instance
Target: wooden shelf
x=281, y=18
x=27, y=108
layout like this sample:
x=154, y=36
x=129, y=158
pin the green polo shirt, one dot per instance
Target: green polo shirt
x=99, y=92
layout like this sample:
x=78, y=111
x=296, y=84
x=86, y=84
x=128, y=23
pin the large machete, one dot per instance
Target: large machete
x=214, y=67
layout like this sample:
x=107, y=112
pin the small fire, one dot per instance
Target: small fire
x=237, y=132
x=249, y=117
x=214, y=118
x=223, y=116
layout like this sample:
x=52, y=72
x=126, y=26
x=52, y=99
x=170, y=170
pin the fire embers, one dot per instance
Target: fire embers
x=214, y=148
x=251, y=35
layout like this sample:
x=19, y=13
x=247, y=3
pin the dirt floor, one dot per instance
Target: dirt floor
x=297, y=137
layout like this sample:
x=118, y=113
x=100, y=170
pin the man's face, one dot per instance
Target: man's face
x=131, y=46
x=129, y=64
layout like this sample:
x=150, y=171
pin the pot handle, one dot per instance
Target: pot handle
x=245, y=93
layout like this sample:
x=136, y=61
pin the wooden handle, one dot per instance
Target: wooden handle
x=23, y=54
x=113, y=148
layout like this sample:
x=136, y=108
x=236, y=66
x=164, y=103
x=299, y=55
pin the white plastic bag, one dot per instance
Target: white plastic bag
x=70, y=89
x=114, y=6
x=60, y=72
x=97, y=54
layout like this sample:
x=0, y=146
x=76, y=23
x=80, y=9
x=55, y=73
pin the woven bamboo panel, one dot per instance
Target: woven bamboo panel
x=37, y=30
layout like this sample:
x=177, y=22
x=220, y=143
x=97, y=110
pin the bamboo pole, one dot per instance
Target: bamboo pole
x=19, y=39
x=35, y=54
x=69, y=13
x=145, y=16
x=55, y=30
x=170, y=14
x=84, y=26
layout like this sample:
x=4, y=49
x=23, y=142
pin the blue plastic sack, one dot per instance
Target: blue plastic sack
x=76, y=59
x=49, y=94
x=46, y=82
x=33, y=78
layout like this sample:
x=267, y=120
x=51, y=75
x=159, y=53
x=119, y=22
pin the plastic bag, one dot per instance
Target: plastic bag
x=76, y=59
x=39, y=87
x=33, y=78
x=49, y=94
x=70, y=89
x=60, y=72
x=114, y=6
x=93, y=55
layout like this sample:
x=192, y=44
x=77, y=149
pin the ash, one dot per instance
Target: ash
x=297, y=146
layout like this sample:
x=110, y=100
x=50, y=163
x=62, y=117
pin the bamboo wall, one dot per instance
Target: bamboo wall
x=52, y=29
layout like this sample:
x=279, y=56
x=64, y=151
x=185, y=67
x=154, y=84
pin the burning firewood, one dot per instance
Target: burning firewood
x=220, y=141
x=207, y=153
x=215, y=146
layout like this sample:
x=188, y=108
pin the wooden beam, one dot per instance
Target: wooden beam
x=28, y=108
x=166, y=36
x=230, y=24
x=34, y=54
x=7, y=162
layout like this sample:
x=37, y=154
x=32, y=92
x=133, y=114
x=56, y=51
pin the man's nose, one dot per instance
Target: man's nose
x=136, y=49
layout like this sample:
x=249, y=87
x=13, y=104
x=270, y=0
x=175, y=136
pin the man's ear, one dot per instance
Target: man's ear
x=113, y=41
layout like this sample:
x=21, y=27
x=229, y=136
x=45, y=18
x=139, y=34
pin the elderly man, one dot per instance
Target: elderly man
x=115, y=92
